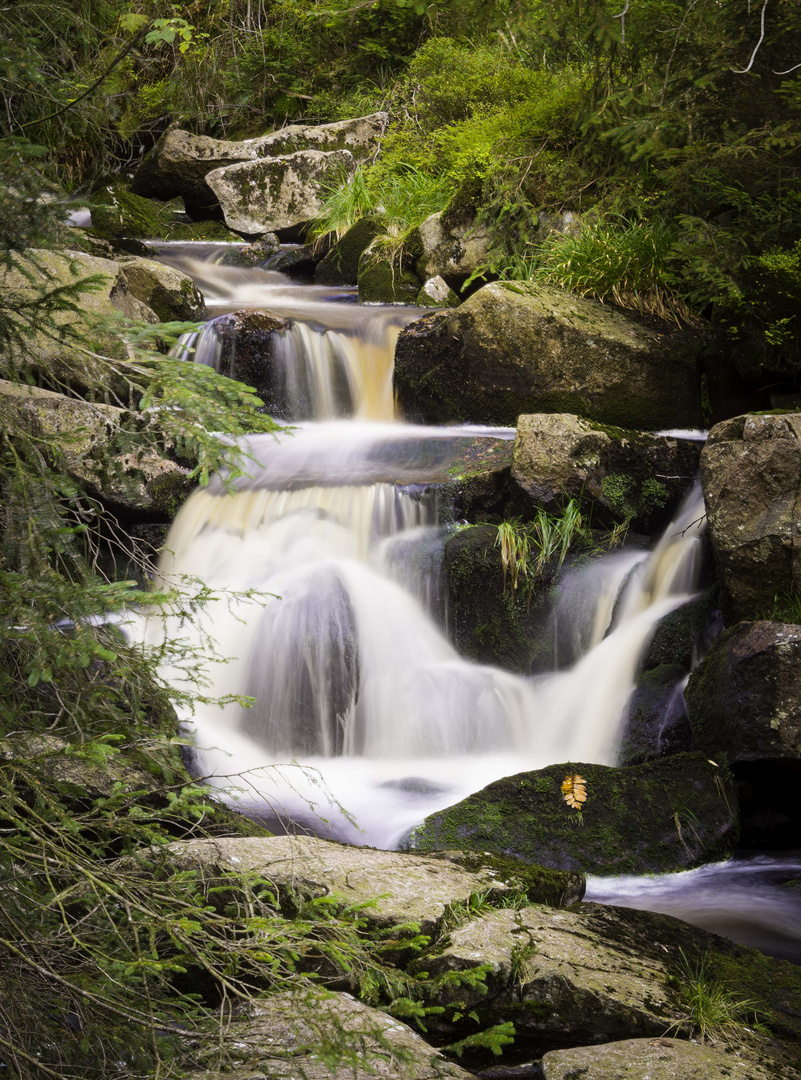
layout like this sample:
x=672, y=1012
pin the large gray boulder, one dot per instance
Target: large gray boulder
x=516, y=348
x=744, y=699
x=670, y=814
x=180, y=161
x=271, y=194
x=624, y=475
x=751, y=476
x=656, y=1059
x=405, y=887
x=294, y=1035
x=92, y=443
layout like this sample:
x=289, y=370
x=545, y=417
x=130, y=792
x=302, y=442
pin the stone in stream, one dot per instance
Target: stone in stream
x=437, y=293
x=282, y=1037
x=340, y=266
x=670, y=814
x=751, y=476
x=172, y=294
x=406, y=887
x=515, y=348
x=617, y=474
x=386, y=277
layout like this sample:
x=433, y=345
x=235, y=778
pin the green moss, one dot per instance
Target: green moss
x=380, y=282
x=169, y=492
x=541, y=884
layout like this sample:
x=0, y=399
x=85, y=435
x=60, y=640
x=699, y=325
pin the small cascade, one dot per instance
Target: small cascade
x=333, y=360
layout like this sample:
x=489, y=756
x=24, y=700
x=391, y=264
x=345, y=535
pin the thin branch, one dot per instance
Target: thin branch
x=745, y=70
x=795, y=67
x=622, y=17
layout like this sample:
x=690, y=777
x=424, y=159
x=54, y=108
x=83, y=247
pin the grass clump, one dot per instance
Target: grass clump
x=712, y=1012
x=527, y=548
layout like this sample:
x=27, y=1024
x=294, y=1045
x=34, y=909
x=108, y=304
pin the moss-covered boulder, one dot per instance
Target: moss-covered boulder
x=515, y=348
x=665, y=815
x=248, y=255
x=340, y=266
x=249, y=343
x=271, y=194
x=751, y=476
x=437, y=293
x=387, y=278
x=488, y=621
x=94, y=444
x=118, y=213
x=684, y=636
x=173, y=296
x=617, y=475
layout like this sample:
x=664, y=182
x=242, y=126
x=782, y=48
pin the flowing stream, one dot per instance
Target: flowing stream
x=365, y=719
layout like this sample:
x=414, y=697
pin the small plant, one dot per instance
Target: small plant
x=711, y=1011
x=786, y=608
x=527, y=549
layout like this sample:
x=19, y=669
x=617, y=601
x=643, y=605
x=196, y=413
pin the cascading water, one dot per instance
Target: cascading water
x=365, y=719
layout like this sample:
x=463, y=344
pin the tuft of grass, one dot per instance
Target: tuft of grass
x=712, y=1012
x=345, y=202
x=786, y=608
x=626, y=263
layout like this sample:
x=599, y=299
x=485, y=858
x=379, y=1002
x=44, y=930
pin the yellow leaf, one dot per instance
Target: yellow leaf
x=574, y=791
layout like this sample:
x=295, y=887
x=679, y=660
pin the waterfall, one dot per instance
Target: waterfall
x=352, y=675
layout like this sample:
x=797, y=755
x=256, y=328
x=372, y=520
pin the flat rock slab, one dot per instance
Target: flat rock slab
x=296, y=1035
x=654, y=1059
x=406, y=888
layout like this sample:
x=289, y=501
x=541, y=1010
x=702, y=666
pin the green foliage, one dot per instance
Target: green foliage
x=527, y=548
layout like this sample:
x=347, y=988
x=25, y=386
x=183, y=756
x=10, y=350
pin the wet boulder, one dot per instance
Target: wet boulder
x=277, y=193
x=172, y=294
x=489, y=622
x=751, y=476
x=515, y=348
x=619, y=475
x=118, y=213
x=665, y=815
x=656, y=723
x=249, y=346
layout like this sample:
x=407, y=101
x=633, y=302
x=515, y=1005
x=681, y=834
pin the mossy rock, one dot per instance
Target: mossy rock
x=656, y=721
x=489, y=622
x=666, y=815
x=118, y=213
x=341, y=264
x=383, y=280
x=676, y=635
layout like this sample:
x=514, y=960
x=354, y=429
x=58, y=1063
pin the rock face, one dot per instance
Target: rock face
x=513, y=348
x=744, y=699
x=270, y=194
x=451, y=250
x=657, y=1059
x=751, y=476
x=621, y=475
x=656, y=722
x=412, y=888
x=173, y=296
x=384, y=279
x=282, y=1036
x=666, y=815
x=85, y=435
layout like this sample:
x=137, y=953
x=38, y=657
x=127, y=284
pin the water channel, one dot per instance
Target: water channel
x=366, y=719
